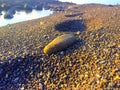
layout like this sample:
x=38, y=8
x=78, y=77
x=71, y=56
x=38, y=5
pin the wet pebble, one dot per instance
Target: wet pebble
x=103, y=61
x=78, y=32
x=62, y=53
x=22, y=88
x=46, y=36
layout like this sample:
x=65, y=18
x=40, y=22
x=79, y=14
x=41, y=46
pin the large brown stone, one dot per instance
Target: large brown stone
x=60, y=43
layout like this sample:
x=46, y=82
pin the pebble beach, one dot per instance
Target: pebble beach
x=91, y=63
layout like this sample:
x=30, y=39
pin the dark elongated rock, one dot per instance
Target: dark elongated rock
x=0, y=12
x=10, y=13
x=60, y=43
x=8, y=16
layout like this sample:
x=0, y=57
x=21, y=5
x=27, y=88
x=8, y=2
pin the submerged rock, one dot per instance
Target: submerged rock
x=60, y=43
x=27, y=7
x=39, y=7
x=0, y=13
x=8, y=16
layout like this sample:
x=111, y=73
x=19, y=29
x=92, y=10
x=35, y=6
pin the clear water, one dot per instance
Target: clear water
x=23, y=16
x=113, y=2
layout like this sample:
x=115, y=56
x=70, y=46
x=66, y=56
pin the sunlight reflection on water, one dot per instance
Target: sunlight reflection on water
x=23, y=16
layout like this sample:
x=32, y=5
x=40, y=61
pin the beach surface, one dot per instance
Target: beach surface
x=92, y=62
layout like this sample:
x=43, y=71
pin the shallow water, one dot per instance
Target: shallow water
x=107, y=2
x=20, y=16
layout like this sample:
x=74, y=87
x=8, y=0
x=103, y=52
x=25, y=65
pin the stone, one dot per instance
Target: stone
x=118, y=45
x=60, y=43
x=78, y=32
x=41, y=86
x=39, y=7
x=46, y=36
x=62, y=53
x=1, y=70
x=111, y=45
x=8, y=16
x=22, y=88
x=27, y=7
x=15, y=80
x=0, y=13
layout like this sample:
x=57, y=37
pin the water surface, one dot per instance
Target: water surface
x=107, y=2
x=23, y=16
